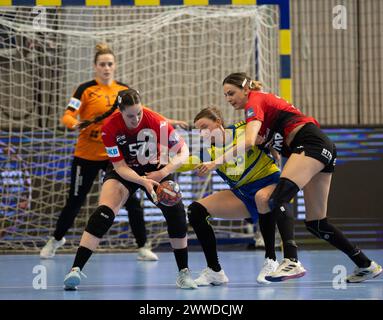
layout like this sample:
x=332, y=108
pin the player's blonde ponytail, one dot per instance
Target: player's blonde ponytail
x=255, y=85
x=102, y=48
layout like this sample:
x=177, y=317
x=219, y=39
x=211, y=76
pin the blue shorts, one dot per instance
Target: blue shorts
x=247, y=192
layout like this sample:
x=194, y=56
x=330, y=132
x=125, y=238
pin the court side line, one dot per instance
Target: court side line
x=245, y=285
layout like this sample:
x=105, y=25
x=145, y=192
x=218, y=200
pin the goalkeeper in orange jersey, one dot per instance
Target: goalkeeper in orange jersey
x=91, y=100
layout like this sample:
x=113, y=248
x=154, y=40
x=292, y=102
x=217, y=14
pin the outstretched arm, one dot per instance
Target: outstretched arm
x=183, y=124
x=176, y=162
x=251, y=135
x=191, y=164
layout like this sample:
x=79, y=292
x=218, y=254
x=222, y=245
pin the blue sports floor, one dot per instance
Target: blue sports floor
x=122, y=277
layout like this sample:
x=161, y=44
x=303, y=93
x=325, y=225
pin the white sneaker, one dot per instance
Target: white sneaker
x=185, y=281
x=146, y=254
x=363, y=274
x=73, y=278
x=49, y=250
x=269, y=266
x=259, y=242
x=278, y=240
x=287, y=270
x=208, y=276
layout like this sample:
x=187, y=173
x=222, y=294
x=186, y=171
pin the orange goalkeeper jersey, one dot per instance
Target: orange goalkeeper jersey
x=90, y=100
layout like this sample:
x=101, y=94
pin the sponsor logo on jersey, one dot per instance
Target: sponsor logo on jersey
x=74, y=103
x=277, y=142
x=326, y=154
x=250, y=153
x=250, y=112
x=112, y=152
x=121, y=140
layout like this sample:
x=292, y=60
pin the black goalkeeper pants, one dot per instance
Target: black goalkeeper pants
x=83, y=174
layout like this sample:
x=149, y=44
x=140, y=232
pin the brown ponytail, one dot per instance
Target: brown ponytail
x=212, y=113
x=128, y=97
x=86, y=123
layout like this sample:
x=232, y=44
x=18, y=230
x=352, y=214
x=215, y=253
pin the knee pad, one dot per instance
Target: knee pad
x=320, y=228
x=100, y=221
x=283, y=193
x=197, y=214
x=176, y=220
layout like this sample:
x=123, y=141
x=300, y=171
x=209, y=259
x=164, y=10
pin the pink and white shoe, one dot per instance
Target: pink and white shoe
x=287, y=270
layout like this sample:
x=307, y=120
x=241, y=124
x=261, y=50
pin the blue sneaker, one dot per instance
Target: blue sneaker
x=73, y=278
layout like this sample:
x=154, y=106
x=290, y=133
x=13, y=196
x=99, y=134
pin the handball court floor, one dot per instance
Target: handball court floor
x=121, y=277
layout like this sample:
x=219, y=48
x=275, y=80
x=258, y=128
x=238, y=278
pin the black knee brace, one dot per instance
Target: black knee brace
x=321, y=229
x=282, y=195
x=176, y=220
x=197, y=214
x=198, y=218
x=100, y=221
x=326, y=231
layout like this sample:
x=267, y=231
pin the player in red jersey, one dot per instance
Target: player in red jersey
x=311, y=162
x=90, y=104
x=138, y=142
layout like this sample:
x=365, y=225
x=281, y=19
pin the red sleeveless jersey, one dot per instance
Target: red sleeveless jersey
x=143, y=145
x=275, y=113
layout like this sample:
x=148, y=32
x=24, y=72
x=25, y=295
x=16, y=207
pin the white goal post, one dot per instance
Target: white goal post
x=176, y=56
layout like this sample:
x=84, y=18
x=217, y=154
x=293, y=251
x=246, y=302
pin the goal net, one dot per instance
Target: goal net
x=176, y=56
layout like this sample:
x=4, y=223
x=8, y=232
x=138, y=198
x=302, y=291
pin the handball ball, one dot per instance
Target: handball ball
x=168, y=193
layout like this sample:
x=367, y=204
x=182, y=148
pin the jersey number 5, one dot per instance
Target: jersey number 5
x=135, y=147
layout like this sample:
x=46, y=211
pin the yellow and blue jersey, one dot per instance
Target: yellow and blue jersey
x=254, y=165
x=246, y=174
